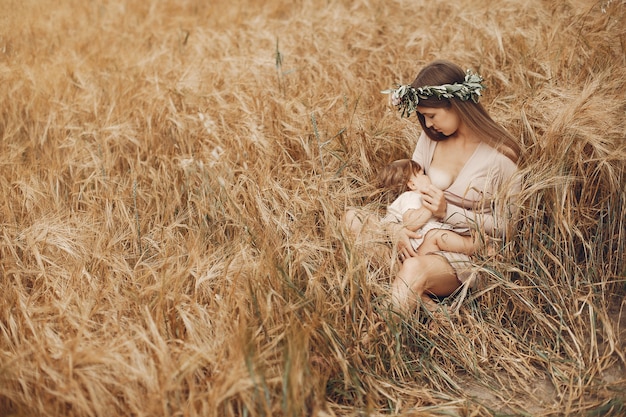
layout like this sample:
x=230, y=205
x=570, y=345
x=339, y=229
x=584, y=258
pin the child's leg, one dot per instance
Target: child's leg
x=429, y=244
x=447, y=241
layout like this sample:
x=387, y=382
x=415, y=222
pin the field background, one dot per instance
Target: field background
x=173, y=178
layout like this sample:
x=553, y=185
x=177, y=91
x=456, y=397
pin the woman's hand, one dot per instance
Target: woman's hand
x=403, y=243
x=434, y=201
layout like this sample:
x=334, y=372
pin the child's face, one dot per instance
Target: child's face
x=418, y=181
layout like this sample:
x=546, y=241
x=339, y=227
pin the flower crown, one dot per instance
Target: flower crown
x=406, y=98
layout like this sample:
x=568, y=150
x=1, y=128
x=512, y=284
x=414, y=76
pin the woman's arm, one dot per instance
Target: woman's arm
x=501, y=209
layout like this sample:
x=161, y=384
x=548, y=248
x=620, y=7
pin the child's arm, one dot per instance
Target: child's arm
x=408, y=210
x=415, y=219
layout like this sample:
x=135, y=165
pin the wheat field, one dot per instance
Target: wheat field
x=174, y=176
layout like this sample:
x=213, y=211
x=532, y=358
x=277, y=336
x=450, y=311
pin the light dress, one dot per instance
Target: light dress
x=470, y=196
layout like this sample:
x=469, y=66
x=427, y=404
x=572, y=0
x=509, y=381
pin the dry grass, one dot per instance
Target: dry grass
x=172, y=195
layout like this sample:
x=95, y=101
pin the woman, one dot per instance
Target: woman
x=469, y=158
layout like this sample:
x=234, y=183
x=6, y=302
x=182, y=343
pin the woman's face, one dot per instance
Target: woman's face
x=445, y=121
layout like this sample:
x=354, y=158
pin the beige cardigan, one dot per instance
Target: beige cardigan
x=471, y=195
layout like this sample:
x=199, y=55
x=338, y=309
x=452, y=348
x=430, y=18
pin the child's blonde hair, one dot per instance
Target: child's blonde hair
x=394, y=177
